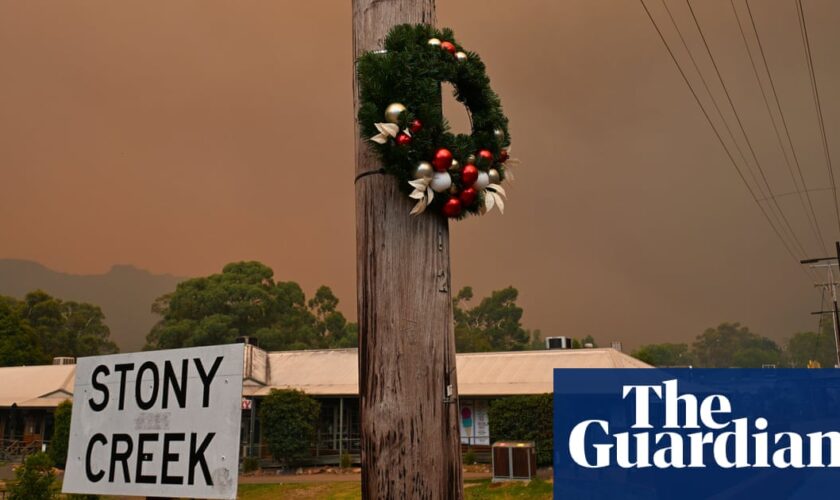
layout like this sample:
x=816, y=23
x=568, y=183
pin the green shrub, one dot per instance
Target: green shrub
x=289, y=420
x=469, y=457
x=346, y=460
x=524, y=418
x=61, y=434
x=34, y=479
x=250, y=464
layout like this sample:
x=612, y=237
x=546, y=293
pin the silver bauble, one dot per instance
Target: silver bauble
x=423, y=170
x=441, y=182
x=434, y=42
x=494, y=176
x=499, y=134
x=393, y=112
x=461, y=56
x=471, y=160
x=455, y=166
x=483, y=181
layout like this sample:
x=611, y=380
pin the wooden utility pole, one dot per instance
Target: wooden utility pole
x=407, y=387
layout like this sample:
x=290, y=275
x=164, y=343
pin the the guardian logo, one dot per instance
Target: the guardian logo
x=696, y=432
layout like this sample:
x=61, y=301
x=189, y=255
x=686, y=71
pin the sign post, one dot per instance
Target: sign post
x=161, y=423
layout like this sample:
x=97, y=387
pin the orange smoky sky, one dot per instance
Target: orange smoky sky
x=179, y=136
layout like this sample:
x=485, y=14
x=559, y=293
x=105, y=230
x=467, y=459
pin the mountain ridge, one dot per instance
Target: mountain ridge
x=124, y=292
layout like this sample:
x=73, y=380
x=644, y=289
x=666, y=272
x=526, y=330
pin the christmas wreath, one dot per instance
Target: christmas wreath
x=400, y=112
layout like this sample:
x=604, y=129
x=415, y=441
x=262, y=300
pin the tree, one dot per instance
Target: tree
x=34, y=480
x=589, y=339
x=67, y=328
x=664, y=354
x=493, y=325
x=18, y=341
x=731, y=345
x=289, y=420
x=61, y=434
x=245, y=300
x=330, y=324
x=41, y=327
x=812, y=346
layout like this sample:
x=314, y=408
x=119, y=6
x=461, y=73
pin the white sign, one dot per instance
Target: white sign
x=159, y=423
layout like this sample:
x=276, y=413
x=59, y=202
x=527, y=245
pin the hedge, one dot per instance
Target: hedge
x=524, y=418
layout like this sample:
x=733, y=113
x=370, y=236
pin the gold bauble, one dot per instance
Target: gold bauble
x=499, y=134
x=453, y=190
x=455, y=166
x=461, y=56
x=393, y=112
x=434, y=42
x=494, y=175
x=471, y=160
x=423, y=170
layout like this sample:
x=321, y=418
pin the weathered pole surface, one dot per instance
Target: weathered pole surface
x=410, y=447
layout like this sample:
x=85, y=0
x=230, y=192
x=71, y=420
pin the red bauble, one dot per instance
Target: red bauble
x=468, y=175
x=452, y=207
x=415, y=126
x=468, y=196
x=448, y=46
x=403, y=139
x=485, y=157
x=503, y=155
x=442, y=159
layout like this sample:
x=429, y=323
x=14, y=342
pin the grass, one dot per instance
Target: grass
x=332, y=491
x=473, y=490
x=479, y=490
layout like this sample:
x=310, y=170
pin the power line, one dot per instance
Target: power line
x=803, y=27
x=764, y=197
x=809, y=214
x=717, y=133
x=743, y=131
x=712, y=97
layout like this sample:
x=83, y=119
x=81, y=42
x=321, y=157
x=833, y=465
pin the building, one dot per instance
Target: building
x=28, y=395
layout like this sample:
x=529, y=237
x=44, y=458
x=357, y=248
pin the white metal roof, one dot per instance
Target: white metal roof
x=334, y=372
x=36, y=386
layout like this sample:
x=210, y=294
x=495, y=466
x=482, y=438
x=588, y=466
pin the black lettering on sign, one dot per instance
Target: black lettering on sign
x=138, y=394
x=99, y=386
x=120, y=456
x=142, y=456
x=94, y=477
x=169, y=379
x=197, y=458
x=122, y=369
x=207, y=378
x=165, y=478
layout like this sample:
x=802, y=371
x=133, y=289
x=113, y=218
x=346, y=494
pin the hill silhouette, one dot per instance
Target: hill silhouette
x=125, y=294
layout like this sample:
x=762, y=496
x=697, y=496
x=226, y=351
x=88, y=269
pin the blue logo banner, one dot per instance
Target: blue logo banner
x=696, y=433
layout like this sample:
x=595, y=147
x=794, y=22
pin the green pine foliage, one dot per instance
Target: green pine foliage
x=524, y=418
x=410, y=73
x=289, y=420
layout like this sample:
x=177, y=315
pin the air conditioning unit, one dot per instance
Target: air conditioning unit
x=64, y=360
x=558, y=343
